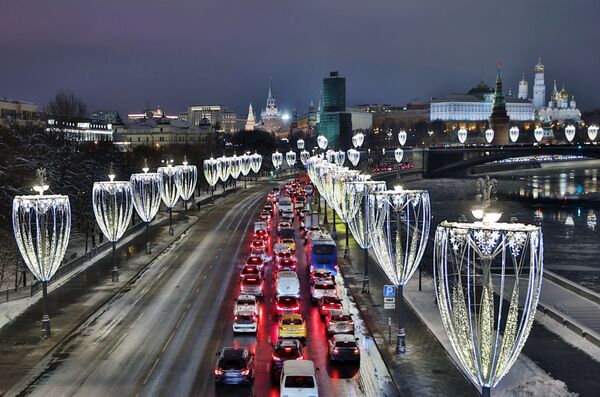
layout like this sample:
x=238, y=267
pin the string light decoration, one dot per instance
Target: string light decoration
x=538, y=134
x=245, y=166
x=462, y=135
x=186, y=177
x=361, y=217
x=570, y=132
x=402, y=136
x=256, y=163
x=277, y=159
x=472, y=262
x=145, y=190
x=300, y=144
x=592, y=132
x=235, y=169
x=340, y=204
x=339, y=158
x=322, y=142
x=42, y=227
x=513, y=134
x=358, y=140
x=224, y=167
x=400, y=232
x=290, y=158
x=112, y=202
x=211, y=174
x=398, y=155
x=304, y=156
x=168, y=190
x=353, y=156
x=489, y=135
x=329, y=155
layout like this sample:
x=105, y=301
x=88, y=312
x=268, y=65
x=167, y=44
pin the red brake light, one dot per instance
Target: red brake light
x=288, y=349
x=245, y=372
x=218, y=372
x=356, y=350
x=336, y=350
x=276, y=358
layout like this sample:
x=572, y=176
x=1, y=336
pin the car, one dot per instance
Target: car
x=322, y=288
x=257, y=244
x=327, y=303
x=285, y=349
x=290, y=242
x=298, y=379
x=235, y=366
x=255, y=260
x=308, y=189
x=264, y=218
x=281, y=250
x=271, y=197
x=321, y=275
x=284, y=264
x=283, y=225
x=343, y=348
x=264, y=236
x=338, y=322
x=246, y=303
x=261, y=253
x=251, y=270
x=252, y=285
x=287, y=283
x=268, y=207
x=287, y=304
x=292, y=325
x=245, y=322
x=288, y=215
x=267, y=214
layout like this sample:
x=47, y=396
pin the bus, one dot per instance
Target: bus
x=321, y=252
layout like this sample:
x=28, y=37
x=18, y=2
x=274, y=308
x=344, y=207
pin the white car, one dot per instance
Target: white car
x=261, y=253
x=245, y=322
x=246, y=303
x=322, y=288
x=339, y=322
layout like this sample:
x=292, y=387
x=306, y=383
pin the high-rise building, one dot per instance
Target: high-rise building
x=250, y=122
x=499, y=119
x=334, y=122
x=223, y=119
x=270, y=117
x=539, y=87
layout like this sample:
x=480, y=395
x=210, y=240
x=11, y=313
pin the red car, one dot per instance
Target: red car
x=327, y=303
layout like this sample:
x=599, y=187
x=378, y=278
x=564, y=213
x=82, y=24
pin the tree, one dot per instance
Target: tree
x=66, y=105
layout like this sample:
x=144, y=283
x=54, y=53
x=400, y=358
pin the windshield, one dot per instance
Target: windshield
x=287, y=301
x=251, y=281
x=325, y=286
x=300, y=381
x=331, y=300
x=245, y=302
x=323, y=249
x=341, y=317
x=349, y=344
x=287, y=233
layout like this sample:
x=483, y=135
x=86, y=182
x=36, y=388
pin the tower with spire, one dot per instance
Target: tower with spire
x=539, y=86
x=270, y=117
x=250, y=122
x=499, y=120
x=523, y=88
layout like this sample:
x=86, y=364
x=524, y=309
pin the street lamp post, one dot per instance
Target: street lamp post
x=113, y=207
x=235, y=170
x=277, y=160
x=145, y=189
x=245, y=166
x=224, y=167
x=168, y=190
x=42, y=226
x=256, y=163
x=186, y=177
x=400, y=231
x=211, y=174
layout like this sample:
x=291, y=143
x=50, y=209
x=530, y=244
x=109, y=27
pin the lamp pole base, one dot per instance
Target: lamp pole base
x=400, y=342
x=115, y=274
x=46, y=333
x=148, y=248
x=365, y=285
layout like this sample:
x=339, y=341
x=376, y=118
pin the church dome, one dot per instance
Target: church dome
x=563, y=95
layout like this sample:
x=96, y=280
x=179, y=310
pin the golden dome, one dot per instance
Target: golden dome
x=563, y=95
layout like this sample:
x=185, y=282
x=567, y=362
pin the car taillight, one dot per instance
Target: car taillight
x=218, y=372
x=300, y=358
x=236, y=318
x=276, y=358
x=336, y=350
x=295, y=308
x=356, y=350
x=350, y=322
x=245, y=372
x=279, y=308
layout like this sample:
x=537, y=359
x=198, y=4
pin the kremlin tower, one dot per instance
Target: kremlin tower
x=499, y=119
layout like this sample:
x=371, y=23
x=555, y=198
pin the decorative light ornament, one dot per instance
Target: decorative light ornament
x=353, y=156
x=277, y=159
x=592, y=132
x=462, y=135
x=329, y=155
x=489, y=135
x=570, y=132
x=339, y=158
x=538, y=134
x=168, y=190
x=112, y=202
x=186, y=177
x=398, y=155
x=322, y=142
x=360, y=217
x=224, y=168
x=245, y=166
x=358, y=140
x=211, y=173
x=513, y=133
x=290, y=158
x=235, y=169
x=304, y=156
x=145, y=190
x=402, y=137
x=300, y=144
x=256, y=162
x=472, y=263
x=42, y=226
x=399, y=237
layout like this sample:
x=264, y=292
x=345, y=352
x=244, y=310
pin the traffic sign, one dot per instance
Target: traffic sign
x=389, y=303
x=389, y=291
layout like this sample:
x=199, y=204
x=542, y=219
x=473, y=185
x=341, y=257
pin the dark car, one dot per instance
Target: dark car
x=287, y=304
x=284, y=349
x=235, y=367
x=286, y=264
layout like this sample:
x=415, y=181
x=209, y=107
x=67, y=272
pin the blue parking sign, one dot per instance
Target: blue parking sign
x=389, y=291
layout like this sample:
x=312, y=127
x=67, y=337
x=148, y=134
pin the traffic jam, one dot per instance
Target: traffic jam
x=289, y=297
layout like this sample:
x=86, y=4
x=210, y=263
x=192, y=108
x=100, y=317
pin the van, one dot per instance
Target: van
x=287, y=284
x=261, y=226
x=298, y=379
x=285, y=205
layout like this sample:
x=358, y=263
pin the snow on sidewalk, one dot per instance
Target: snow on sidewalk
x=524, y=379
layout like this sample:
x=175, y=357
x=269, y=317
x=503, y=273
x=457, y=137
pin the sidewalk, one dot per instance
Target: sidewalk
x=75, y=299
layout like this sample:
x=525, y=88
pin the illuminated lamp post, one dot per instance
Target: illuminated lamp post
x=186, y=177
x=513, y=134
x=42, y=226
x=358, y=140
x=402, y=136
x=224, y=167
x=168, y=190
x=145, y=189
x=489, y=135
x=322, y=142
x=211, y=174
x=462, y=135
x=353, y=156
x=256, y=163
x=473, y=262
x=300, y=144
x=290, y=159
x=592, y=132
x=398, y=155
x=112, y=202
x=277, y=160
x=570, y=132
x=400, y=232
x=245, y=166
x=304, y=156
x=235, y=169
x=538, y=134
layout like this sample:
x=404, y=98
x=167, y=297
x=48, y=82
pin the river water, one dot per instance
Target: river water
x=564, y=199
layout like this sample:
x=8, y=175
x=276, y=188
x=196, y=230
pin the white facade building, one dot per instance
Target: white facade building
x=361, y=120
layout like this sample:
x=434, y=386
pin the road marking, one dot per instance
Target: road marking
x=188, y=305
x=136, y=320
x=151, y=370
x=210, y=267
x=180, y=319
x=197, y=290
x=204, y=278
x=168, y=341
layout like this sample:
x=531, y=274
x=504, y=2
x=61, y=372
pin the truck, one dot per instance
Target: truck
x=311, y=220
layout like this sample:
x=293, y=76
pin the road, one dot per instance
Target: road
x=160, y=335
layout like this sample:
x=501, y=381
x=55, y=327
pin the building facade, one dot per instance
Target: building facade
x=12, y=110
x=270, y=117
x=220, y=117
x=81, y=130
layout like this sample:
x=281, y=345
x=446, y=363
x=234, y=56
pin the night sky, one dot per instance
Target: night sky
x=123, y=54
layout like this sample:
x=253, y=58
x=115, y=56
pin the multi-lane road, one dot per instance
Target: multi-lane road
x=160, y=335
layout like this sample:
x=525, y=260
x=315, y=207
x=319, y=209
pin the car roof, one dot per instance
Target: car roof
x=343, y=338
x=234, y=352
x=291, y=316
x=249, y=297
x=324, y=281
x=299, y=367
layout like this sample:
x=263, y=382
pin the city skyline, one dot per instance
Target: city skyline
x=113, y=59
